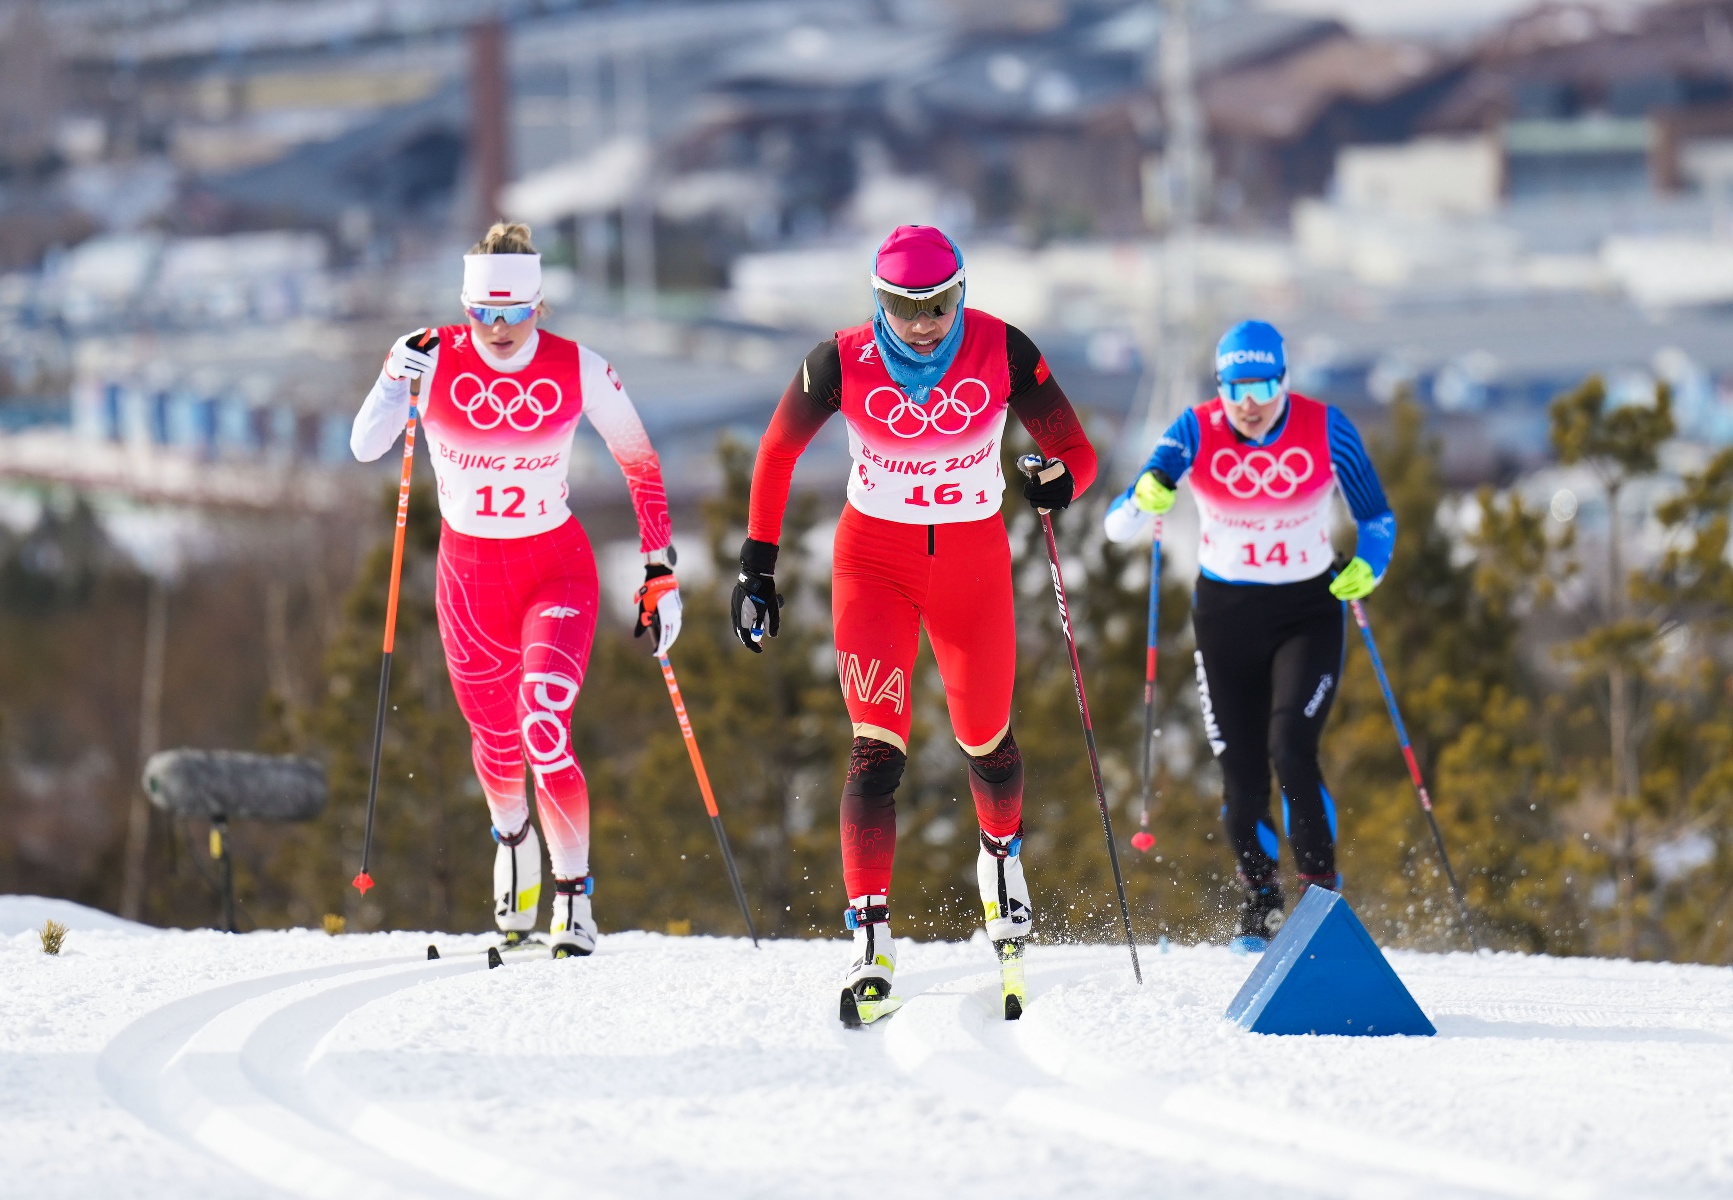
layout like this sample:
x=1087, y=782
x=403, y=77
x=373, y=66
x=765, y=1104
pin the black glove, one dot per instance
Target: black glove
x=1050, y=487
x=755, y=607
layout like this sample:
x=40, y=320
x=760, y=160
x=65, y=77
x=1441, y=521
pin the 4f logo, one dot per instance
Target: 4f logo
x=865, y=684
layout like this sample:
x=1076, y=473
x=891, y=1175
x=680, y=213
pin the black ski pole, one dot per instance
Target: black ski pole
x=363, y=880
x=704, y=787
x=1030, y=465
x=1414, y=770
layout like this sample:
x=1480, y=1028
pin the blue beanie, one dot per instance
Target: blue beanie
x=1251, y=350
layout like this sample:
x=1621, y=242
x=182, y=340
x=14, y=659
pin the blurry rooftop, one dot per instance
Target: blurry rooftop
x=1281, y=101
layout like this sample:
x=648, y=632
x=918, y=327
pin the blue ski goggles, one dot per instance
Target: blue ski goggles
x=513, y=314
x=1258, y=391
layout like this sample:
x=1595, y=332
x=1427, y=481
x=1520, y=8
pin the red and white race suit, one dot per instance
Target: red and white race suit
x=921, y=543
x=935, y=463
x=517, y=592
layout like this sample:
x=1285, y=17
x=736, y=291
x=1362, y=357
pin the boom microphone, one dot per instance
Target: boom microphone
x=219, y=785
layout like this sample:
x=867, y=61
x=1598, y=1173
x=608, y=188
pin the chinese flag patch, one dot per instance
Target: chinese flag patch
x=1042, y=374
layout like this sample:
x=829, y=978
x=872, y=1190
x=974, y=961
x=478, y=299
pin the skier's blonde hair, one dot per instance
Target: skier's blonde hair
x=505, y=238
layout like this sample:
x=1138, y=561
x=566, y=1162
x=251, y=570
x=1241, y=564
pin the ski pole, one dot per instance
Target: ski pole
x=1030, y=464
x=704, y=787
x=1143, y=840
x=363, y=880
x=1413, y=769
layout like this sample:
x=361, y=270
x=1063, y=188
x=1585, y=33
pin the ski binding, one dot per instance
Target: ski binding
x=868, y=1006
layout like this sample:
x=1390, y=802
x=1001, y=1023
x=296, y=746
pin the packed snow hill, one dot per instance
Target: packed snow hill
x=143, y=1062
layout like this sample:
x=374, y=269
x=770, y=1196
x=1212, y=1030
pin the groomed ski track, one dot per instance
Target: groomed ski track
x=682, y=1066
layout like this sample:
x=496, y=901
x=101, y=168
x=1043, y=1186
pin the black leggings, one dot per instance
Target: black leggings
x=1269, y=657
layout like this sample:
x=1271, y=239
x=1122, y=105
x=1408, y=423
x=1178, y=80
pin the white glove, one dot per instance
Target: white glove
x=1126, y=522
x=658, y=608
x=415, y=359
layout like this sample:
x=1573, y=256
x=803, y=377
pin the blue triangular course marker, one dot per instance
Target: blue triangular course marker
x=1324, y=974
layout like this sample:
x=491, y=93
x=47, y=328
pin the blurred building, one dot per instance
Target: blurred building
x=1592, y=100
x=1478, y=223
x=1277, y=124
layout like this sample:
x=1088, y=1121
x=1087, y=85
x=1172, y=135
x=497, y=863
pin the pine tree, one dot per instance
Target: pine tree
x=1687, y=791
x=1621, y=444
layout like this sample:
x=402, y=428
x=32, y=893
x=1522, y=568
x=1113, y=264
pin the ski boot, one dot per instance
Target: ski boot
x=1005, y=897
x=1260, y=914
x=573, y=930
x=1330, y=883
x=517, y=884
x=866, y=991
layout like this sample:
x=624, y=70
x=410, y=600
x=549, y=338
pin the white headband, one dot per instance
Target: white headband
x=502, y=280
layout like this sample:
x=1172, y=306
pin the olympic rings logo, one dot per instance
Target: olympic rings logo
x=506, y=400
x=1261, y=471
x=947, y=413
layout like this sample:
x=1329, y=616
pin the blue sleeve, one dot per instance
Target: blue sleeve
x=1365, y=495
x=1172, y=456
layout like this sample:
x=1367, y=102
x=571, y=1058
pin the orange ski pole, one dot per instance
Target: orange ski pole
x=363, y=880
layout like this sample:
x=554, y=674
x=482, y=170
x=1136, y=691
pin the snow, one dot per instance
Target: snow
x=198, y=1064
x=19, y=914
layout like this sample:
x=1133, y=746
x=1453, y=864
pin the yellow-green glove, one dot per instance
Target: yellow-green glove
x=1355, y=582
x=1151, y=494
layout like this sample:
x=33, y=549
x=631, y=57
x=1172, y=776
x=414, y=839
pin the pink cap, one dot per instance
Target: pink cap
x=916, y=256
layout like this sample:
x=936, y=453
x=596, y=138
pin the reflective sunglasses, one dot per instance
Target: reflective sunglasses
x=511, y=314
x=909, y=303
x=1258, y=391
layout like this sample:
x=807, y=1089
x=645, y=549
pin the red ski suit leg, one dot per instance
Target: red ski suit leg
x=517, y=617
x=889, y=580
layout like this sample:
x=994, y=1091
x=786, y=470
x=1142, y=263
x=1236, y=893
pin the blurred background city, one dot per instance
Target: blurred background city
x=215, y=216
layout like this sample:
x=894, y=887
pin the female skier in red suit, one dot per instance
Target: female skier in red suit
x=517, y=593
